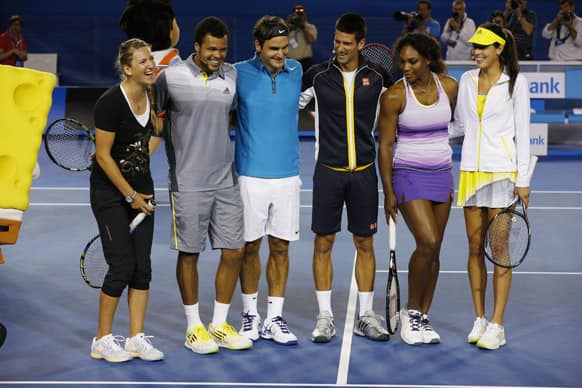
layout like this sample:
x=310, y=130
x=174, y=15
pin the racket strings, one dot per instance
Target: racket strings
x=507, y=239
x=71, y=145
x=94, y=265
x=378, y=55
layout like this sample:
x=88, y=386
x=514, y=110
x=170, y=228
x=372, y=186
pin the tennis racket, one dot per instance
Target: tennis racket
x=392, y=287
x=70, y=144
x=93, y=265
x=508, y=234
x=379, y=54
x=2, y=334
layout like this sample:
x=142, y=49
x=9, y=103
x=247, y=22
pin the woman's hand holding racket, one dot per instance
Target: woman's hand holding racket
x=92, y=264
x=508, y=234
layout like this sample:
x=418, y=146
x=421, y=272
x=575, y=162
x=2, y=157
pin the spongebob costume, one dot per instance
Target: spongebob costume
x=25, y=101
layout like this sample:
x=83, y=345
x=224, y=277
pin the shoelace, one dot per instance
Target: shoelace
x=414, y=321
x=279, y=321
x=248, y=320
x=199, y=333
x=146, y=344
x=114, y=343
x=227, y=330
x=324, y=324
x=425, y=324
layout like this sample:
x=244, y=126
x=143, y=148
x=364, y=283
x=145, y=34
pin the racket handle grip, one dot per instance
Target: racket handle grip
x=136, y=221
x=392, y=233
x=140, y=217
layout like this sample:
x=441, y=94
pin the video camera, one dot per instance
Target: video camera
x=456, y=17
x=414, y=17
x=515, y=4
x=295, y=19
x=567, y=17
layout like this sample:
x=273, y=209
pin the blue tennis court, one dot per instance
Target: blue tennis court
x=51, y=314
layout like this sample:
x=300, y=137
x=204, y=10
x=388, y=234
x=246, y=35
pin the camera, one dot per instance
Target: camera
x=456, y=17
x=295, y=20
x=402, y=16
x=515, y=4
x=567, y=17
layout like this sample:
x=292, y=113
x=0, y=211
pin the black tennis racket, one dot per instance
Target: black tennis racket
x=70, y=144
x=379, y=54
x=508, y=234
x=392, y=287
x=93, y=265
x=2, y=334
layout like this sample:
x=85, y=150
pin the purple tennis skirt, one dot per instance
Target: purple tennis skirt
x=435, y=186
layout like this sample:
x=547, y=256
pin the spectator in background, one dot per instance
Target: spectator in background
x=420, y=21
x=302, y=34
x=13, y=48
x=565, y=31
x=429, y=25
x=153, y=21
x=498, y=17
x=522, y=24
x=458, y=30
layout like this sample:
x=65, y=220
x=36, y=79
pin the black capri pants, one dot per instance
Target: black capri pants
x=128, y=256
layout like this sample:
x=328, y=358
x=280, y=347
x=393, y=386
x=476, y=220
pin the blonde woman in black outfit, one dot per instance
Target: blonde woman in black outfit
x=121, y=186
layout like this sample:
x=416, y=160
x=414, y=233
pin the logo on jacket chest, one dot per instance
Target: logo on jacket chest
x=365, y=81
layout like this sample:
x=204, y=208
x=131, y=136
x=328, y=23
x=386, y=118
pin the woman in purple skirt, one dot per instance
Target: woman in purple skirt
x=417, y=174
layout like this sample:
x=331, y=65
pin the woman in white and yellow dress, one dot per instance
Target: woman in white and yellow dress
x=493, y=113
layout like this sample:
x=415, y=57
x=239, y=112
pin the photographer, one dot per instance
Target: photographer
x=420, y=21
x=458, y=30
x=565, y=31
x=301, y=35
x=522, y=24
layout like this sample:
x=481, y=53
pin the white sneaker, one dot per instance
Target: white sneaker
x=370, y=325
x=429, y=335
x=277, y=330
x=141, y=346
x=199, y=341
x=324, y=329
x=410, y=331
x=251, y=326
x=226, y=336
x=493, y=338
x=478, y=330
x=107, y=348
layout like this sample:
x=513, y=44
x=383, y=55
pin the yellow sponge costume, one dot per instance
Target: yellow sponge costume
x=25, y=101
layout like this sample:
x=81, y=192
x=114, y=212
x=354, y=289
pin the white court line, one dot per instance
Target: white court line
x=344, y=362
x=234, y=384
x=490, y=272
x=65, y=204
x=86, y=188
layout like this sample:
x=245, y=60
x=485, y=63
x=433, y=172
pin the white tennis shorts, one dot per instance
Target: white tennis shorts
x=271, y=207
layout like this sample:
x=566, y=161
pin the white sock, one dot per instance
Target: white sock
x=220, y=313
x=366, y=300
x=275, y=306
x=250, y=303
x=192, y=316
x=324, y=301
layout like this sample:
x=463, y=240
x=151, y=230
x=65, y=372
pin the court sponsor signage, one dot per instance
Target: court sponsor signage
x=546, y=85
x=538, y=139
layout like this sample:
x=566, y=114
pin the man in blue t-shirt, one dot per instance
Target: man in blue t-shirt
x=422, y=21
x=267, y=161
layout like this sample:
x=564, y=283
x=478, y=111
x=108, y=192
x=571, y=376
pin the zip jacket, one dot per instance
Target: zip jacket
x=345, y=121
x=499, y=141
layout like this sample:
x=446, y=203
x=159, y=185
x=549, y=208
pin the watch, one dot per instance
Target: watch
x=131, y=197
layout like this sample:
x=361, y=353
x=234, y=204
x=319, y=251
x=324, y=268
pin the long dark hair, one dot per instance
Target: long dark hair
x=426, y=46
x=509, y=59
